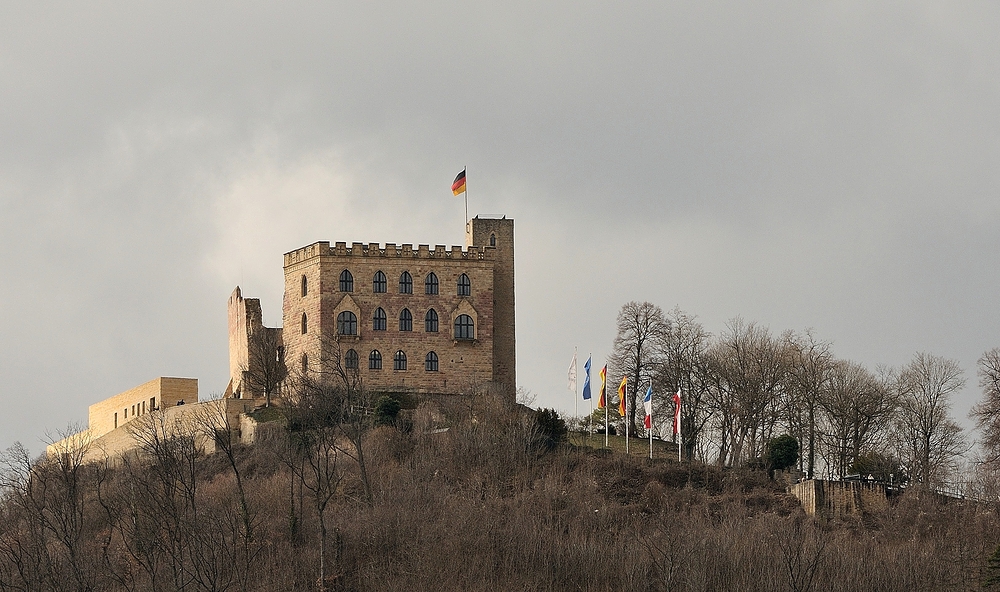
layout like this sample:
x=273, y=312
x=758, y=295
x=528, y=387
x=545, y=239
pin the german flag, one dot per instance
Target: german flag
x=604, y=387
x=459, y=185
x=622, y=390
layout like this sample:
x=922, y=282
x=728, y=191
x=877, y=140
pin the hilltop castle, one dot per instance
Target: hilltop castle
x=408, y=320
x=414, y=320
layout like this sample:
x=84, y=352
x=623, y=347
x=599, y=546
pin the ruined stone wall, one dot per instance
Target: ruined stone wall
x=461, y=363
x=840, y=499
x=499, y=234
x=245, y=319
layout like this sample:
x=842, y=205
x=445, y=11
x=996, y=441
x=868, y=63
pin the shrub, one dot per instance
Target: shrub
x=782, y=452
x=551, y=428
x=386, y=410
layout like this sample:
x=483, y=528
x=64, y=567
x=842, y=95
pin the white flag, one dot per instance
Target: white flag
x=571, y=375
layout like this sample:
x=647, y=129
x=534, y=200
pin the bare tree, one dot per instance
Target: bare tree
x=636, y=352
x=684, y=366
x=928, y=439
x=857, y=412
x=748, y=369
x=809, y=364
x=265, y=369
x=986, y=412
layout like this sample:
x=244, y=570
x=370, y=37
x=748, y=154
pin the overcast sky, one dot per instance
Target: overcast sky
x=826, y=165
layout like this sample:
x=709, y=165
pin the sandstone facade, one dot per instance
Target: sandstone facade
x=367, y=282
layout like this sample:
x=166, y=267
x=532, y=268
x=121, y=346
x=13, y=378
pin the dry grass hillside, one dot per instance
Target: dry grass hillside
x=486, y=505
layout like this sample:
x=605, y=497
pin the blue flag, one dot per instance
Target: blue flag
x=586, y=380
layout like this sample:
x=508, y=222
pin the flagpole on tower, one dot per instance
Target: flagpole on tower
x=466, y=171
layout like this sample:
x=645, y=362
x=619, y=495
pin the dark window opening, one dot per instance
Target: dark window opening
x=305, y=363
x=375, y=360
x=378, y=320
x=431, y=363
x=493, y=240
x=464, y=285
x=347, y=323
x=405, y=320
x=305, y=286
x=346, y=281
x=431, y=283
x=305, y=324
x=379, y=283
x=406, y=283
x=399, y=361
x=431, y=321
x=464, y=327
x=351, y=360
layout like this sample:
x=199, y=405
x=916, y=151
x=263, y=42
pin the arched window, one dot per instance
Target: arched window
x=464, y=285
x=305, y=285
x=378, y=320
x=406, y=283
x=431, y=362
x=305, y=363
x=431, y=321
x=347, y=323
x=346, y=281
x=305, y=324
x=405, y=320
x=399, y=361
x=378, y=283
x=351, y=360
x=375, y=360
x=493, y=240
x=464, y=328
x=431, y=283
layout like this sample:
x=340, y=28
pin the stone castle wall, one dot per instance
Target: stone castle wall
x=499, y=234
x=461, y=363
x=840, y=499
x=163, y=392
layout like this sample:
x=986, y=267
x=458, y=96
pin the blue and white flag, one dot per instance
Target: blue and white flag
x=586, y=380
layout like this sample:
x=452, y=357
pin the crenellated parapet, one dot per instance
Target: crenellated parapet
x=390, y=250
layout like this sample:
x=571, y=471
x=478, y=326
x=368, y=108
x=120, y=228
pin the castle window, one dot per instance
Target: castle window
x=378, y=320
x=431, y=283
x=116, y=419
x=347, y=323
x=464, y=285
x=305, y=285
x=305, y=363
x=405, y=320
x=305, y=324
x=406, y=283
x=431, y=362
x=399, y=361
x=375, y=360
x=493, y=240
x=346, y=281
x=152, y=403
x=351, y=360
x=379, y=283
x=464, y=327
x=431, y=321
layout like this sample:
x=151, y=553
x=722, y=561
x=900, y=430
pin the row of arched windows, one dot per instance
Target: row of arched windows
x=380, y=320
x=347, y=323
x=380, y=284
x=398, y=360
x=431, y=361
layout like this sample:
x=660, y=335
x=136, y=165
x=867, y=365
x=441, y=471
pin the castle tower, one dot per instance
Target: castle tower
x=499, y=233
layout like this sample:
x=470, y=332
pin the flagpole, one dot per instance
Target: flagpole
x=625, y=393
x=651, y=422
x=576, y=399
x=590, y=418
x=466, y=171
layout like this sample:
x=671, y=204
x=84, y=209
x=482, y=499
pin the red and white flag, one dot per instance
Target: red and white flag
x=677, y=413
